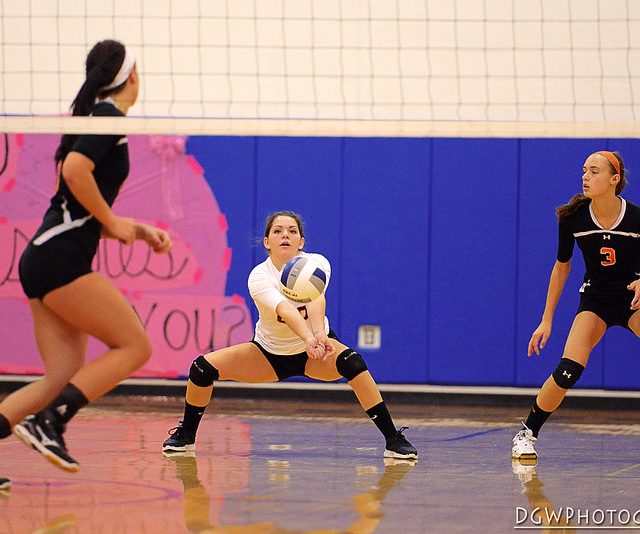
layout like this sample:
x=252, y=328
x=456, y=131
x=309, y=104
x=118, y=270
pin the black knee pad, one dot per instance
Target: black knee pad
x=350, y=364
x=567, y=373
x=202, y=373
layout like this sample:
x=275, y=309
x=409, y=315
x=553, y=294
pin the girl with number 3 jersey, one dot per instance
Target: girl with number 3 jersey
x=606, y=227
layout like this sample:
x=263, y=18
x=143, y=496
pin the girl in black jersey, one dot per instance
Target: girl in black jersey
x=607, y=229
x=68, y=301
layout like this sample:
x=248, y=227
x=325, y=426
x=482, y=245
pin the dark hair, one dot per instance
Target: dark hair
x=578, y=200
x=292, y=214
x=101, y=66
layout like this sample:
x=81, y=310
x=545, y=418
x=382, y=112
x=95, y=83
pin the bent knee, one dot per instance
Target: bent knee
x=350, y=364
x=141, y=349
x=146, y=349
x=202, y=373
x=567, y=373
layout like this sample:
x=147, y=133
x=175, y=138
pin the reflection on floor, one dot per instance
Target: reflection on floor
x=271, y=472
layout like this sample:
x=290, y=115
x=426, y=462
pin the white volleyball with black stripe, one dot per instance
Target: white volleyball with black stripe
x=302, y=279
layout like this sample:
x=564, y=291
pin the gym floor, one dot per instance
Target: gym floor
x=278, y=466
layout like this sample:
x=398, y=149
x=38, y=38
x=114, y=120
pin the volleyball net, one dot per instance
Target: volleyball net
x=311, y=67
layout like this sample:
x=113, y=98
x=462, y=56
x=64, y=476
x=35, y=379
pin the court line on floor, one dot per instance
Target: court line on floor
x=620, y=471
x=473, y=434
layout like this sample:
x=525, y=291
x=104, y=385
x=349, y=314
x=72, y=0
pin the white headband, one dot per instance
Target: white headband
x=123, y=73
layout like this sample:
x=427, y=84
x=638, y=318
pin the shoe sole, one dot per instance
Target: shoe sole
x=392, y=454
x=175, y=448
x=28, y=439
x=6, y=486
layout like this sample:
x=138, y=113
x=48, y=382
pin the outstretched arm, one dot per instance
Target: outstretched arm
x=317, y=310
x=292, y=318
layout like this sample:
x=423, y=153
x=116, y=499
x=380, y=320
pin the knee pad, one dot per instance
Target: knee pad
x=350, y=364
x=567, y=373
x=202, y=373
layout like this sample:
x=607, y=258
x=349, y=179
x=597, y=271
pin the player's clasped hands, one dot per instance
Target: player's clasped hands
x=319, y=348
x=314, y=348
x=329, y=348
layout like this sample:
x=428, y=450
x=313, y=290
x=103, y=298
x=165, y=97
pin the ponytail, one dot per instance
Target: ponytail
x=102, y=65
x=571, y=207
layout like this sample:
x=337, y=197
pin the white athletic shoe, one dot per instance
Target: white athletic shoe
x=523, y=445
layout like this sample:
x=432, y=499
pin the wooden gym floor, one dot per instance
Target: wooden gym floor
x=289, y=466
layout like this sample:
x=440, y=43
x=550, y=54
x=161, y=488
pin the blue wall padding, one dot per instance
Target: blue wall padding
x=445, y=243
x=385, y=229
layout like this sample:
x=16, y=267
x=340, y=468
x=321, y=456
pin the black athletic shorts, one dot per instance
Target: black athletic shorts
x=288, y=365
x=613, y=311
x=53, y=264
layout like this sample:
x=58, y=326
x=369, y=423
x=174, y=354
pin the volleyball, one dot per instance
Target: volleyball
x=302, y=279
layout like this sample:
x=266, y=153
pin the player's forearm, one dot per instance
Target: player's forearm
x=292, y=318
x=316, y=311
x=557, y=281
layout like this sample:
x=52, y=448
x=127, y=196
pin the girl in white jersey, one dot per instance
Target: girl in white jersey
x=606, y=227
x=290, y=340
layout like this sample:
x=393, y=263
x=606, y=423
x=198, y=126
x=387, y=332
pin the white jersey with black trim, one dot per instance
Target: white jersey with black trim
x=271, y=331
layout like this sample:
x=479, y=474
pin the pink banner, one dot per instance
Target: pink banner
x=179, y=296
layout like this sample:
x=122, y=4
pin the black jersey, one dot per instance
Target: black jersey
x=110, y=155
x=611, y=257
x=64, y=246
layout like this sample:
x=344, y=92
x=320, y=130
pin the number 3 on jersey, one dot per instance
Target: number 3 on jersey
x=609, y=256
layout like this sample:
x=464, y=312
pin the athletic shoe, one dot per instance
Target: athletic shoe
x=44, y=433
x=523, y=445
x=398, y=446
x=180, y=442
